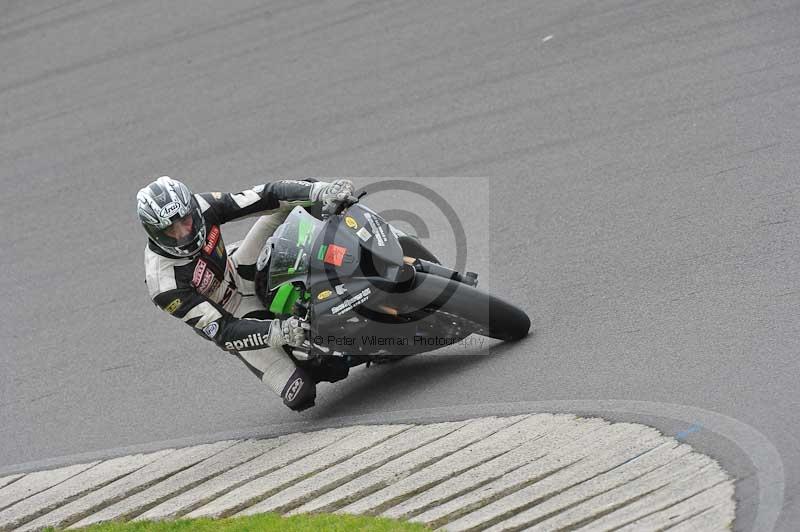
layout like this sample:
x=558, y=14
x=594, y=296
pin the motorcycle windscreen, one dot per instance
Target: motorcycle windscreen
x=291, y=248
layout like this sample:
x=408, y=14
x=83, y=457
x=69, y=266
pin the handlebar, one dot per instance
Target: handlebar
x=339, y=207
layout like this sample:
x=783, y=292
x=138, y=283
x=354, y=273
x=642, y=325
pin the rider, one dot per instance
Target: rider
x=192, y=276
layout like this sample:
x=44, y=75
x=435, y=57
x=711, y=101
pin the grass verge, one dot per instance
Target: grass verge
x=265, y=523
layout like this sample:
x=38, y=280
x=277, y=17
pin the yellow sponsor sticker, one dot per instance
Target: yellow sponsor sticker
x=173, y=306
x=351, y=222
x=325, y=294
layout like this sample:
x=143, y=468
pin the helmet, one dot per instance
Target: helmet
x=164, y=202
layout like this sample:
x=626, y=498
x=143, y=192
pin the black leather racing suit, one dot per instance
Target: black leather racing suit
x=213, y=291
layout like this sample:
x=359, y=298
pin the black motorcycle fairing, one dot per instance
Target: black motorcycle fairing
x=348, y=275
x=414, y=248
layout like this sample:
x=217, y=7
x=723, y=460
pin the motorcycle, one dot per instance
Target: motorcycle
x=370, y=293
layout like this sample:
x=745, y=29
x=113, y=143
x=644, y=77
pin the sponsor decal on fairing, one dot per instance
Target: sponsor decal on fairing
x=363, y=234
x=325, y=294
x=335, y=255
x=377, y=230
x=351, y=302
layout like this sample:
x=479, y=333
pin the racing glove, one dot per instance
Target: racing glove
x=291, y=332
x=332, y=194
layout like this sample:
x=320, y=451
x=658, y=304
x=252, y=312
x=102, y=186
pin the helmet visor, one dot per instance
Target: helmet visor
x=185, y=236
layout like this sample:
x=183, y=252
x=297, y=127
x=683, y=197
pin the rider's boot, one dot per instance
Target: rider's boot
x=279, y=372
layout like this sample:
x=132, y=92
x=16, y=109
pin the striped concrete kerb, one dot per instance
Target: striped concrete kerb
x=538, y=471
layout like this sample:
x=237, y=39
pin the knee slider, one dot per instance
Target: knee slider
x=300, y=391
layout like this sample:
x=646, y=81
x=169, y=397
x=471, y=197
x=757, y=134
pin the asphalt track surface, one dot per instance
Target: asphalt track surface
x=640, y=184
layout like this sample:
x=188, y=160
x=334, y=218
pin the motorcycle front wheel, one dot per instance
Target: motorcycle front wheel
x=489, y=315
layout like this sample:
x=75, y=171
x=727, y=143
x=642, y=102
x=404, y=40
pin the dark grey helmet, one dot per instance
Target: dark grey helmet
x=166, y=201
